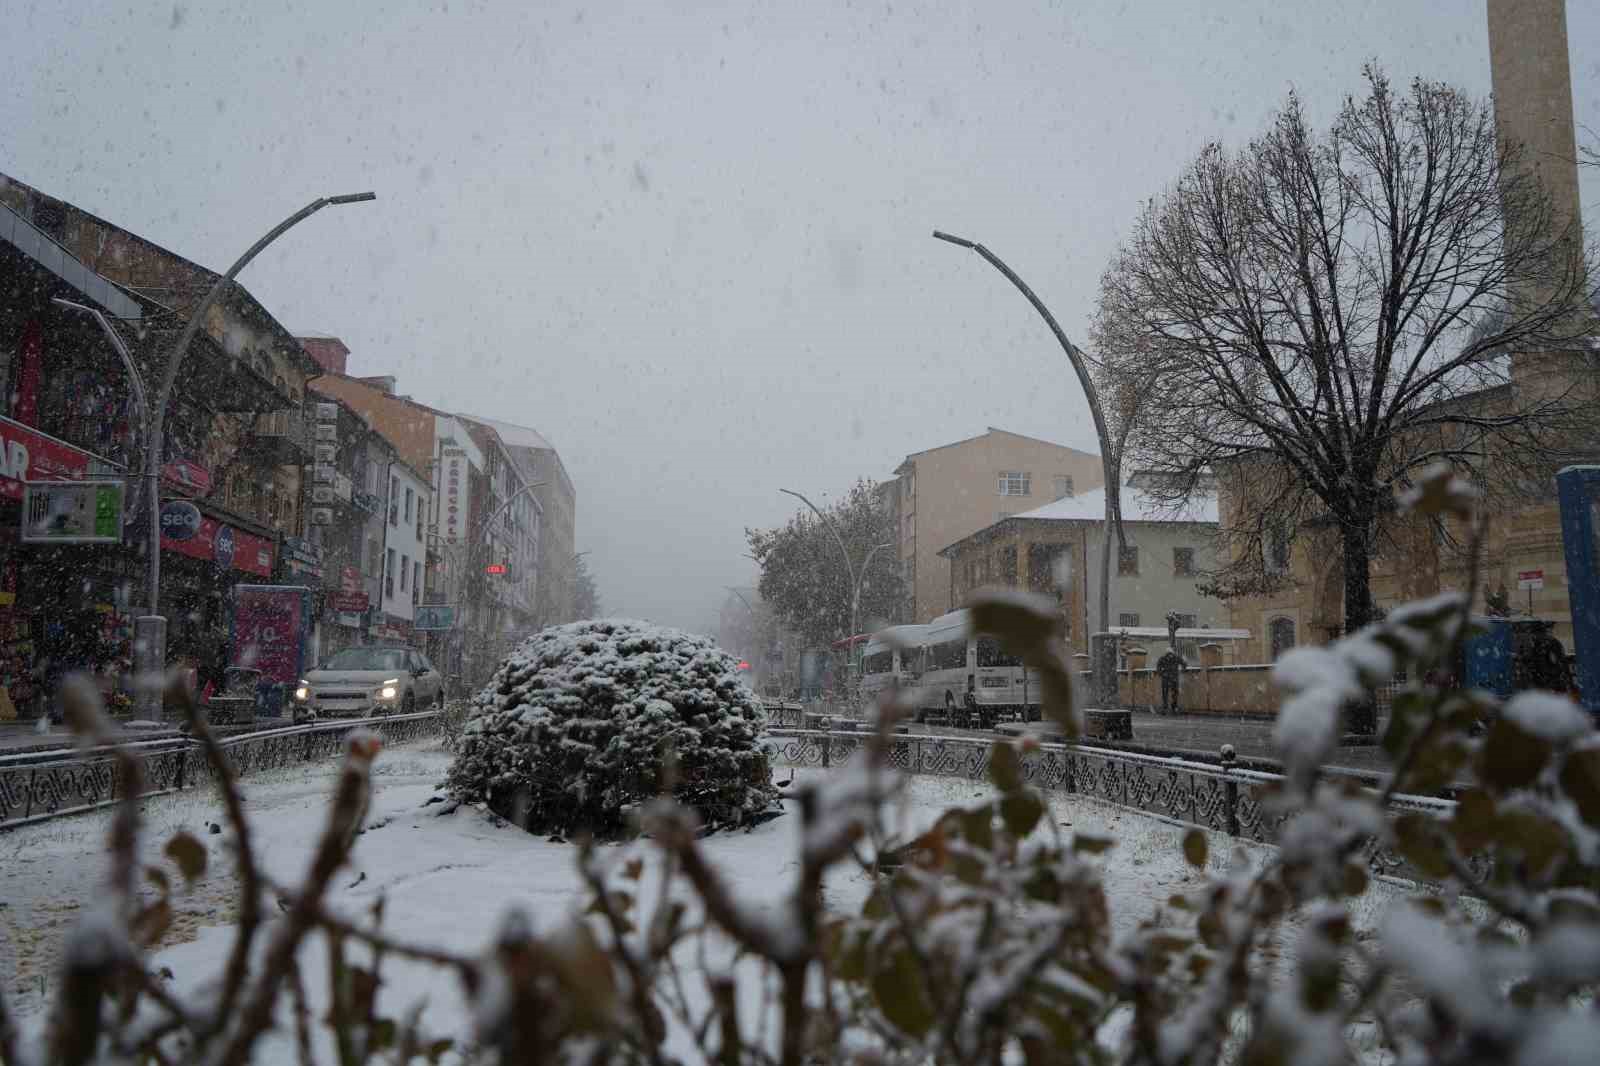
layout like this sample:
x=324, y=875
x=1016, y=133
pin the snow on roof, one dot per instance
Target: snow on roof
x=514, y=435
x=1136, y=507
x=447, y=429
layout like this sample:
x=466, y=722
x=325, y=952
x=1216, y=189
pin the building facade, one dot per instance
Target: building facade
x=942, y=495
x=1054, y=551
x=232, y=458
x=558, y=508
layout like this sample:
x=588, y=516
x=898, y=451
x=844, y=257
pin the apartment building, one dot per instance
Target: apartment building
x=943, y=494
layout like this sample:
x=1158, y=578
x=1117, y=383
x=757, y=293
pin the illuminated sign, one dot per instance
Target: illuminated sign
x=495, y=568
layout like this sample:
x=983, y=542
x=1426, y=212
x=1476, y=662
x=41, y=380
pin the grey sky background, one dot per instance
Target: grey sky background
x=689, y=242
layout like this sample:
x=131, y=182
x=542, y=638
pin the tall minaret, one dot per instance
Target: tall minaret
x=1532, y=80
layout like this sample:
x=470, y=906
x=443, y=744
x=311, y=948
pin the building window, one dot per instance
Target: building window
x=1128, y=619
x=416, y=580
x=1128, y=561
x=394, y=501
x=408, y=505
x=1063, y=486
x=1188, y=621
x=1183, y=562
x=374, y=557
x=1015, y=483
x=388, y=573
x=1281, y=631
x=405, y=571
x=1043, y=561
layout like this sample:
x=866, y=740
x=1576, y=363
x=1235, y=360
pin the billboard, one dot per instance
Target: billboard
x=72, y=512
x=272, y=629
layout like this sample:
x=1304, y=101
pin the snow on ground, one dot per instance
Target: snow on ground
x=448, y=880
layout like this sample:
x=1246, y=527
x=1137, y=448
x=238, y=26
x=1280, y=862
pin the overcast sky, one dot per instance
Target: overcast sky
x=689, y=242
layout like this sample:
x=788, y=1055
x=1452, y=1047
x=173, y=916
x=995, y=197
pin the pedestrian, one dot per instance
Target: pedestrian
x=1170, y=666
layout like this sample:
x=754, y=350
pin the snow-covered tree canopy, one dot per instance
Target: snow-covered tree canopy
x=803, y=572
x=576, y=726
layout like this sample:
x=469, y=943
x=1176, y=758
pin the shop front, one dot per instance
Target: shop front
x=202, y=558
x=63, y=607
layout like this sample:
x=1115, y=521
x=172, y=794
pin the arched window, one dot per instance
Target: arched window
x=1281, y=633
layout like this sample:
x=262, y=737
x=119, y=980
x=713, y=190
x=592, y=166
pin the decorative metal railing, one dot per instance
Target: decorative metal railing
x=35, y=787
x=1220, y=797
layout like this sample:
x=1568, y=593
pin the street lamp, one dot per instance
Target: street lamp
x=1105, y=681
x=152, y=640
x=855, y=576
x=135, y=379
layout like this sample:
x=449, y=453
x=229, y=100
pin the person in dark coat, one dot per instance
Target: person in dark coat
x=1170, y=666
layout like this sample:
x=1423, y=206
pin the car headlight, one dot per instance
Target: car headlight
x=390, y=689
x=303, y=691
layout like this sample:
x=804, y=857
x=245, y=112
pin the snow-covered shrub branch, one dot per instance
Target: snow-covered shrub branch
x=987, y=938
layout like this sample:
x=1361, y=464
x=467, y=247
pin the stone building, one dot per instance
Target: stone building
x=1523, y=568
x=1054, y=550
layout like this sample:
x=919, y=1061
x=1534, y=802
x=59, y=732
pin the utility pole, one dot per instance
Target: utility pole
x=852, y=574
x=1105, y=679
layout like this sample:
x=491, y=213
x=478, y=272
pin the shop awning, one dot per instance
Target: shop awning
x=23, y=237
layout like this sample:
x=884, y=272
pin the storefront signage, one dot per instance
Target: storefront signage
x=302, y=557
x=1530, y=580
x=180, y=520
x=28, y=455
x=350, y=619
x=270, y=627
x=228, y=548
x=435, y=617
x=455, y=496
x=350, y=580
x=72, y=512
x=190, y=476
x=349, y=601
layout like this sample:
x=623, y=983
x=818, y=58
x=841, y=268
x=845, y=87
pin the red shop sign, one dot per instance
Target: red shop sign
x=28, y=455
x=348, y=601
x=229, y=548
x=192, y=477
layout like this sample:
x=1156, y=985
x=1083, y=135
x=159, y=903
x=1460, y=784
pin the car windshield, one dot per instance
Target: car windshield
x=366, y=659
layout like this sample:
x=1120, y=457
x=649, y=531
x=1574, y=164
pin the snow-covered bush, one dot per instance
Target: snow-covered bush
x=586, y=722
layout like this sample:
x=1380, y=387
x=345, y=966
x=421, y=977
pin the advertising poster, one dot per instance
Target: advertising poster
x=271, y=624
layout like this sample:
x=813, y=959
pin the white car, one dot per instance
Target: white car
x=366, y=681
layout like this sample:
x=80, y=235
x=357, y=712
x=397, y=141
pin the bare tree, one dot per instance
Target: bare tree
x=1315, y=318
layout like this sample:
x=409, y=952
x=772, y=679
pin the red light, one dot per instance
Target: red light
x=743, y=665
x=495, y=568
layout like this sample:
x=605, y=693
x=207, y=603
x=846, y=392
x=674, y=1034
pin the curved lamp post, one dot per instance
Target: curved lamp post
x=1110, y=459
x=141, y=410
x=153, y=628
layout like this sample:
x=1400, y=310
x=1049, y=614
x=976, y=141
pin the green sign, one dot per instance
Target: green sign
x=434, y=616
x=72, y=512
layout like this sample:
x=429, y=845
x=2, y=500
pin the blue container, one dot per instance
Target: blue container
x=1487, y=657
